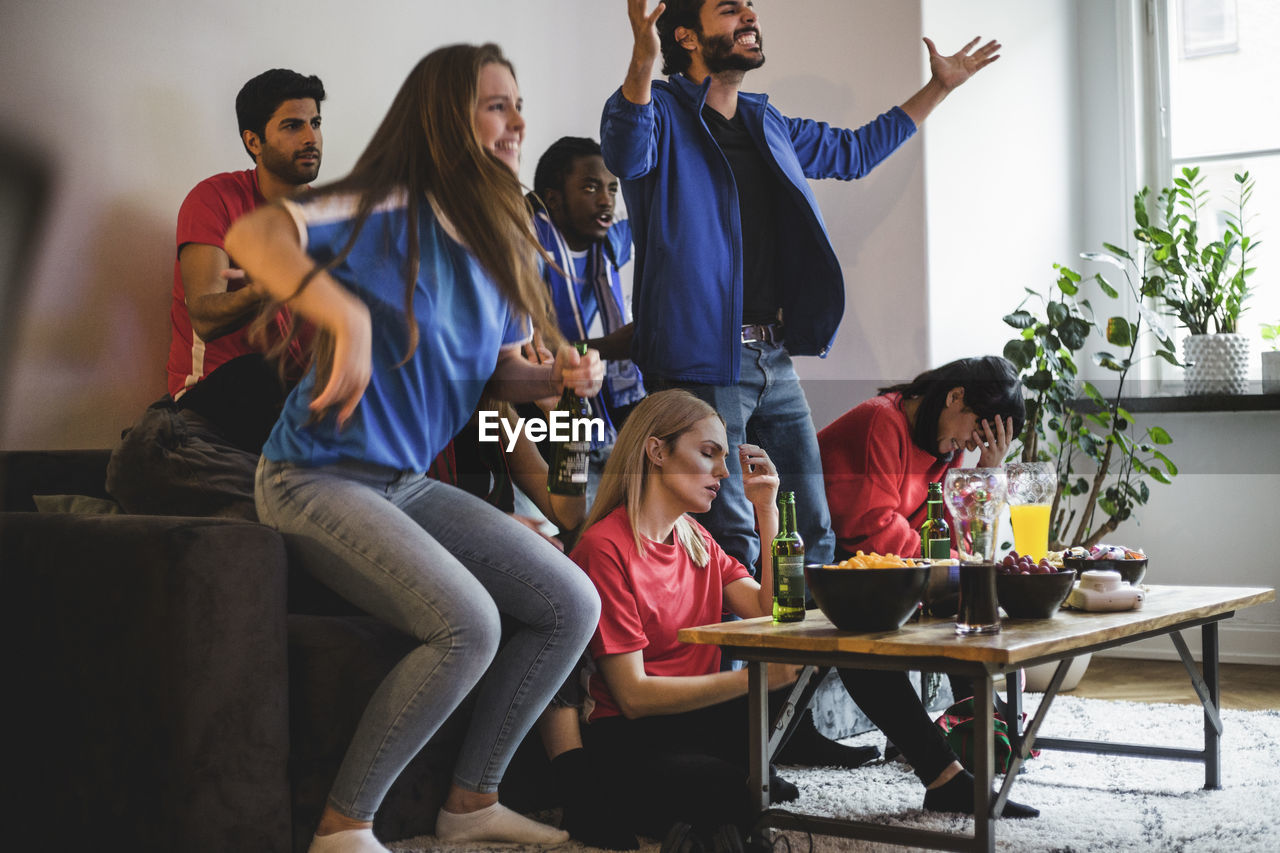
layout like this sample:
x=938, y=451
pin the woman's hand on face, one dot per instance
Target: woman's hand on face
x=583, y=373
x=352, y=362
x=994, y=443
x=759, y=477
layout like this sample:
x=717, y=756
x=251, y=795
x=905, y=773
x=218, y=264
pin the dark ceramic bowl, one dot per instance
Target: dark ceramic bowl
x=1131, y=571
x=867, y=599
x=1033, y=596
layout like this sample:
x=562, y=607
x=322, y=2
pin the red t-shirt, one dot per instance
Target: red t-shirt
x=645, y=599
x=205, y=217
x=877, y=479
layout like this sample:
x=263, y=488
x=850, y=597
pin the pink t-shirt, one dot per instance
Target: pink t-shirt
x=645, y=599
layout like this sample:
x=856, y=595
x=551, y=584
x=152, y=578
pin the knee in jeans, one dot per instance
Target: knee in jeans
x=475, y=626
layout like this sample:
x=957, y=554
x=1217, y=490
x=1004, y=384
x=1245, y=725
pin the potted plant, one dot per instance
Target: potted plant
x=1104, y=465
x=1058, y=428
x=1271, y=359
x=1204, y=286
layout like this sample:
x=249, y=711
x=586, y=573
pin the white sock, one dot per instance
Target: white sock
x=496, y=823
x=347, y=841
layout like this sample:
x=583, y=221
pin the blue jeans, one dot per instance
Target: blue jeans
x=767, y=407
x=440, y=565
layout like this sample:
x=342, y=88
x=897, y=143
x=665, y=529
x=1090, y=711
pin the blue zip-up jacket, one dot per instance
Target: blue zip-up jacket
x=683, y=205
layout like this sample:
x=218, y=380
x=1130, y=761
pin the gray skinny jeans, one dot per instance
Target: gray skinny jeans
x=440, y=565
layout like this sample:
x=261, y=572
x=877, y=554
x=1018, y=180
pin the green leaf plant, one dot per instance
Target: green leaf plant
x=1103, y=467
x=1271, y=334
x=1203, y=286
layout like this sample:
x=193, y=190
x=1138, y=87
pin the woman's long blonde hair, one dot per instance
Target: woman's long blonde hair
x=666, y=415
x=427, y=143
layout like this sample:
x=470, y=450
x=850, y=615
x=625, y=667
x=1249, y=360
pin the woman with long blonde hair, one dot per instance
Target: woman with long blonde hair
x=420, y=271
x=667, y=723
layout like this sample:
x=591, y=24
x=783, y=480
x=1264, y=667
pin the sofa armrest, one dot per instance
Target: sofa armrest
x=24, y=473
x=146, y=663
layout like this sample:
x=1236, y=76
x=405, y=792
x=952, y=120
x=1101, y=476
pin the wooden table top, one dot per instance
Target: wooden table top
x=1019, y=640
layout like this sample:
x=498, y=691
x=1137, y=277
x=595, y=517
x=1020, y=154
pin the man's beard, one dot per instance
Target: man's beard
x=717, y=53
x=285, y=167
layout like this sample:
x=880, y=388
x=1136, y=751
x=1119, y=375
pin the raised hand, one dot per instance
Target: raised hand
x=644, y=54
x=952, y=71
x=644, y=29
x=759, y=477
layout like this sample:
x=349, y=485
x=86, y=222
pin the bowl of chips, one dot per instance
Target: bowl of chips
x=868, y=592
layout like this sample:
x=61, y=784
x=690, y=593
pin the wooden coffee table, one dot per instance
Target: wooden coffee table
x=931, y=645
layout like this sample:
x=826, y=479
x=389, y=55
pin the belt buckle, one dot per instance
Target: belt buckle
x=759, y=333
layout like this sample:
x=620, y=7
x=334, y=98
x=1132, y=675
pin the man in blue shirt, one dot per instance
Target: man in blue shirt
x=734, y=270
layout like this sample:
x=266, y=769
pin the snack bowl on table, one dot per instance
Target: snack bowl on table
x=1033, y=596
x=1131, y=571
x=867, y=599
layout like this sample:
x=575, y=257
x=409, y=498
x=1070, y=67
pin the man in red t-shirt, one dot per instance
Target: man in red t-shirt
x=195, y=450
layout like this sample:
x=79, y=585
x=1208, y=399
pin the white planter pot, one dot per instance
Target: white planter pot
x=1039, y=676
x=1216, y=364
x=1271, y=372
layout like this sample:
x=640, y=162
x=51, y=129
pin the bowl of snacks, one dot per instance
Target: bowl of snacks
x=868, y=592
x=1130, y=563
x=1031, y=589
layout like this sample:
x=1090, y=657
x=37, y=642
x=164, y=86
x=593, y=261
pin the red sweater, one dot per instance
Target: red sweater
x=877, y=479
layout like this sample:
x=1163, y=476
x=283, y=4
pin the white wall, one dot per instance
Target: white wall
x=133, y=103
x=1002, y=191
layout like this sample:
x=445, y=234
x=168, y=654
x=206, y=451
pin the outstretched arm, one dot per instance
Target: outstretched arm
x=644, y=52
x=948, y=72
x=266, y=243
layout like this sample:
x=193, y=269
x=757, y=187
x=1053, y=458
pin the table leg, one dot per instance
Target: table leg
x=1212, y=726
x=758, y=733
x=984, y=764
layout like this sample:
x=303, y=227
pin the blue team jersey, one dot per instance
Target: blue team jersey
x=410, y=412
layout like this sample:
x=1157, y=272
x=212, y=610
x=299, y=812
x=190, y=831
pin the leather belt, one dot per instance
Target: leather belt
x=769, y=333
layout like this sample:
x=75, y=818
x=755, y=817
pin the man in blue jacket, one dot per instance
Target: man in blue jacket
x=734, y=270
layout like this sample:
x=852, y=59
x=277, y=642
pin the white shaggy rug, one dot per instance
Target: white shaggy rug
x=1086, y=802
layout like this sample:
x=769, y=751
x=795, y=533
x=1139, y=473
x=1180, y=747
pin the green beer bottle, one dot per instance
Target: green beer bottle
x=788, y=564
x=935, y=533
x=570, y=459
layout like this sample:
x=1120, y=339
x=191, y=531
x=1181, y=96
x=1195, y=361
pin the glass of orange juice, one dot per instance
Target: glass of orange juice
x=1032, y=486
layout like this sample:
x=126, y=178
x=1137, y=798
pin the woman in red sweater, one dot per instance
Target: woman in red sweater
x=879, y=457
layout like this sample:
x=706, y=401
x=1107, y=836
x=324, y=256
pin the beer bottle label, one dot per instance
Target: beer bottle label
x=788, y=573
x=937, y=549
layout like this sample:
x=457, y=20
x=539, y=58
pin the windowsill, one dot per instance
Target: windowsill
x=1175, y=401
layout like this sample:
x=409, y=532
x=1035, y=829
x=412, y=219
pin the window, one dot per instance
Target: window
x=1217, y=110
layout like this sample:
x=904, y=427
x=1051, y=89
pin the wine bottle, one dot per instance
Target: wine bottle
x=935, y=533
x=570, y=459
x=788, y=564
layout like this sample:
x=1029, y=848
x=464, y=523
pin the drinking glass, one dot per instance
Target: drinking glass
x=1032, y=486
x=975, y=497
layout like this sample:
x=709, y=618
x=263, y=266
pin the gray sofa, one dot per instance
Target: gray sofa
x=175, y=684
